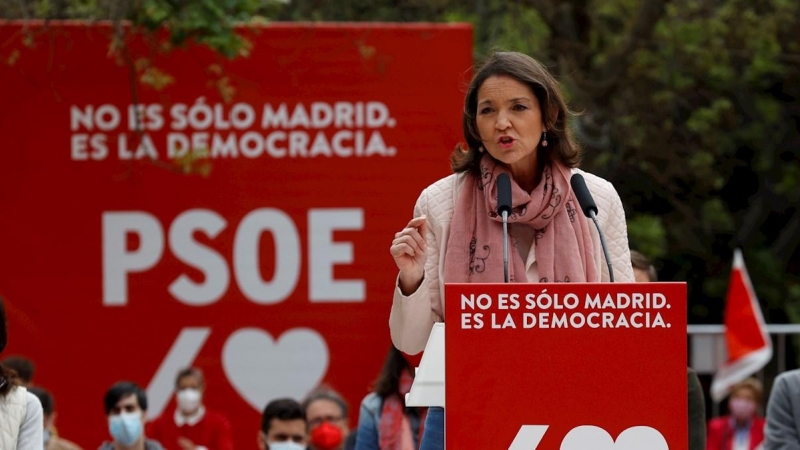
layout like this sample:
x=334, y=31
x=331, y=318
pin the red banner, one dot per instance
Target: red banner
x=566, y=366
x=161, y=210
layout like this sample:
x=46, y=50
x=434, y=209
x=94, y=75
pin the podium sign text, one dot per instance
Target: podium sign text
x=566, y=366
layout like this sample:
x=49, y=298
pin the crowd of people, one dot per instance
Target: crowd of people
x=515, y=123
x=319, y=422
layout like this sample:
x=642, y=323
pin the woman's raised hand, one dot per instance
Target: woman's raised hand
x=409, y=253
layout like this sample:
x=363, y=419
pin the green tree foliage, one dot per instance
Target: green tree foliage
x=689, y=107
x=698, y=127
x=208, y=22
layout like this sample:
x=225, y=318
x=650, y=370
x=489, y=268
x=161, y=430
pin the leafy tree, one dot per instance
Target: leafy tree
x=208, y=22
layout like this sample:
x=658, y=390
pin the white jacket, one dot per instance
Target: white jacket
x=412, y=317
x=21, y=421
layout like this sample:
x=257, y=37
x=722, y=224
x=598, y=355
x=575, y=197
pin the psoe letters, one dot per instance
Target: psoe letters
x=120, y=261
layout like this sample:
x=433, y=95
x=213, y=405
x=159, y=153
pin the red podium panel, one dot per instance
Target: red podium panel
x=566, y=366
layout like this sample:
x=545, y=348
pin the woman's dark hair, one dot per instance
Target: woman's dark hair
x=6, y=376
x=23, y=367
x=523, y=68
x=388, y=382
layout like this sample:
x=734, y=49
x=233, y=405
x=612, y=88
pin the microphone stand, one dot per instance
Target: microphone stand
x=504, y=208
x=505, y=245
x=603, y=244
x=589, y=208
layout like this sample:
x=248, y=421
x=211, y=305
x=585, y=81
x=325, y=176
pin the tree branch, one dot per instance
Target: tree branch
x=649, y=13
x=600, y=82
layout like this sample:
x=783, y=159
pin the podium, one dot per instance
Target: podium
x=560, y=366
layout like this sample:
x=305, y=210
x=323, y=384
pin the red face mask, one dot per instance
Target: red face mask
x=326, y=436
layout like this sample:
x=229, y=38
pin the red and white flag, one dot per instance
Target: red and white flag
x=748, y=343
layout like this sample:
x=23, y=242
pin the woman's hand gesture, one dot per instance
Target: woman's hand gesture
x=409, y=253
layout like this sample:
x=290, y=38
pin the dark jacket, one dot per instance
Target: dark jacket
x=697, y=412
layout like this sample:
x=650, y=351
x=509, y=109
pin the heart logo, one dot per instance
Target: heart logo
x=596, y=438
x=261, y=369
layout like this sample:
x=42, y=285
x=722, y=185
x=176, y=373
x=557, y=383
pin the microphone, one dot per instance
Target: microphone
x=503, y=209
x=589, y=208
x=583, y=195
x=503, y=194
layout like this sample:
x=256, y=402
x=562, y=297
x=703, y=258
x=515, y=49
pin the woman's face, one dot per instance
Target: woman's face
x=742, y=404
x=509, y=121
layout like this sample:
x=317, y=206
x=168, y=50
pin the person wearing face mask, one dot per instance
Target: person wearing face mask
x=192, y=426
x=384, y=421
x=283, y=426
x=743, y=428
x=52, y=441
x=327, y=416
x=126, y=406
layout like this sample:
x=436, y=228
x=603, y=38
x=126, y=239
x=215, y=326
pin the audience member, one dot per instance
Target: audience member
x=51, y=439
x=384, y=422
x=22, y=366
x=327, y=415
x=782, y=430
x=697, y=411
x=283, y=426
x=743, y=428
x=644, y=272
x=20, y=411
x=126, y=407
x=192, y=425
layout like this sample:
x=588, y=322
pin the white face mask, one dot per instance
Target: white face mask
x=285, y=445
x=188, y=399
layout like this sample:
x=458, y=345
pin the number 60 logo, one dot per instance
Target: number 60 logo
x=590, y=436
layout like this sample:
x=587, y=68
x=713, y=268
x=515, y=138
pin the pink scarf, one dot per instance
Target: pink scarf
x=394, y=431
x=564, y=249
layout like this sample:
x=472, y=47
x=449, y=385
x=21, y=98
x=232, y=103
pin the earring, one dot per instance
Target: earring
x=481, y=149
x=544, y=139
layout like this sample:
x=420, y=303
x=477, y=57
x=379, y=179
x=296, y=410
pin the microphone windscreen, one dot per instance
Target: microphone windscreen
x=503, y=194
x=582, y=194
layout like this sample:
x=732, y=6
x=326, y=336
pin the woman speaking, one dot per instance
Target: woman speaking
x=515, y=122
